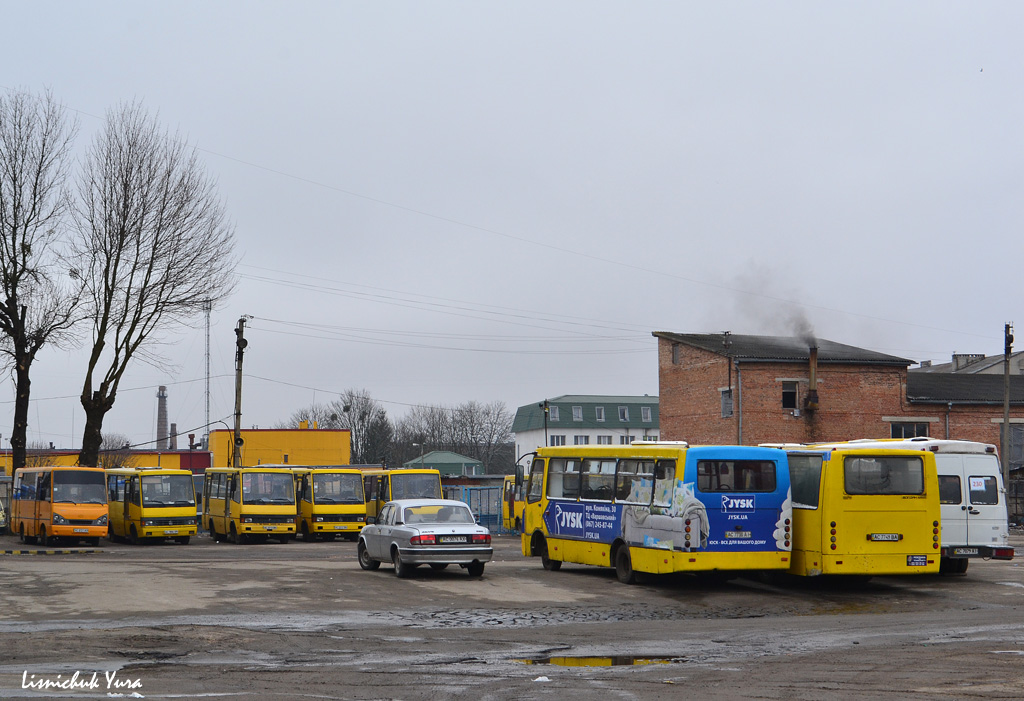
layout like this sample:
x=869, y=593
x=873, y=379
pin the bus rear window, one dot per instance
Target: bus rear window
x=736, y=475
x=949, y=489
x=883, y=474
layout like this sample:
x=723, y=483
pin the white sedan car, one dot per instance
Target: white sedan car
x=434, y=532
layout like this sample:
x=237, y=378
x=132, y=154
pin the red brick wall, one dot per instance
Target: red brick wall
x=852, y=401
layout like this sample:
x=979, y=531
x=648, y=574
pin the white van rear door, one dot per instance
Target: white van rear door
x=986, y=506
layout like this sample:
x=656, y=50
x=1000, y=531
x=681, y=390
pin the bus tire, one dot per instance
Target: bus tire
x=43, y=538
x=306, y=535
x=182, y=539
x=94, y=541
x=214, y=534
x=133, y=536
x=545, y=560
x=365, y=561
x=624, y=566
x=518, y=526
x=28, y=539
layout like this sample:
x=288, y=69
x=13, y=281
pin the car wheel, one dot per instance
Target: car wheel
x=476, y=568
x=402, y=569
x=624, y=566
x=365, y=561
x=545, y=560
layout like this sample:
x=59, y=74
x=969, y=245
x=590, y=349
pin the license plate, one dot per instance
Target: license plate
x=171, y=532
x=453, y=539
x=965, y=551
x=79, y=530
x=885, y=536
x=339, y=527
x=737, y=534
x=917, y=560
x=269, y=528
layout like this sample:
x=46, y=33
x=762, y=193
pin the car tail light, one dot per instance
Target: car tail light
x=483, y=538
x=430, y=539
x=1003, y=552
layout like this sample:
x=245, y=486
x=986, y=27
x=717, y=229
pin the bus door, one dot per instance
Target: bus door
x=810, y=529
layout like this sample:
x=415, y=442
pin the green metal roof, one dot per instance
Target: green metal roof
x=531, y=416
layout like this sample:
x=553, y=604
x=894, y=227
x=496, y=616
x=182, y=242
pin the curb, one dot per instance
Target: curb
x=50, y=552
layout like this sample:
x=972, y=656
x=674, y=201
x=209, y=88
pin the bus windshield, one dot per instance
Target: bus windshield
x=337, y=488
x=79, y=487
x=415, y=486
x=167, y=490
x=267, y=488
x=883, y=474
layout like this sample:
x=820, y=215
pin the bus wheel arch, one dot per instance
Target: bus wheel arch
x=539, y=546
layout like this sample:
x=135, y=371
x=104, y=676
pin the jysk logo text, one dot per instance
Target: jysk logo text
x=733, y=505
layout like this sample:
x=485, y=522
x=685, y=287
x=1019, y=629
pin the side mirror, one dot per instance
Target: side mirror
x=370, y=520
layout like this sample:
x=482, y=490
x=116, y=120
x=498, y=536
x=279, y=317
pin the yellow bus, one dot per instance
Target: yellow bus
x=53, y=502
x=151, y=503
x=659, y=507
x=330, y=502
x=864, y=511
x=382, y=485
x=244, y=503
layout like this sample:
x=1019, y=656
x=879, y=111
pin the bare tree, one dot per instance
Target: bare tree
x=115, y=451
x=37, y=306
x=153, y=247
x=369, y=428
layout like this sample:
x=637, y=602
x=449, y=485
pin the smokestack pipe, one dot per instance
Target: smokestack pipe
x=812, y=389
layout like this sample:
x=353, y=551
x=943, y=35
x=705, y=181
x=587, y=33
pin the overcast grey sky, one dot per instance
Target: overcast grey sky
x=451, y=201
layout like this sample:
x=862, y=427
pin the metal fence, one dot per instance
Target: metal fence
x=485, y=502
x=1015, y=501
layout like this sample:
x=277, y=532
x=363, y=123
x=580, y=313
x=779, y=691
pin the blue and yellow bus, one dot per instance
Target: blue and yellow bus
x=659, y=507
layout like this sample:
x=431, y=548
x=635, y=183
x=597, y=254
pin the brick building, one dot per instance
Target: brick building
x=730, y=388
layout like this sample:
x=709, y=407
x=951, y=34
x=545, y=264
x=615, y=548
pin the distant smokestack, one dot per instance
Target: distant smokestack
x=173, y=439
x=161, y=418
x=812, y=388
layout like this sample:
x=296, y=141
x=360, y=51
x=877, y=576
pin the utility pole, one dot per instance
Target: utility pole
x=207, y=307
x=240, y=344
x=1004, y=449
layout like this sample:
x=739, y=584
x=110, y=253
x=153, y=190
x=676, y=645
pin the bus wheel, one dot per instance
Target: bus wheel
x=306, y=535
x=233, y=536
x=92, y=541
x=518, y=526
x=545, y=560
x=624, y=566
x=183, y=539
x=29, y=539
x=43, y=538
x=133, y=536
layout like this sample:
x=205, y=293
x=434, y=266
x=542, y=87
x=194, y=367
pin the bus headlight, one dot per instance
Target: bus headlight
x=59, y=520
x=101, y=521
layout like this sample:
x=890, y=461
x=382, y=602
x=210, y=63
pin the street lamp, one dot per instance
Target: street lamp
x=421, y=447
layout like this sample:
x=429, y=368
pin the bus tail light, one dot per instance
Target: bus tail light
x=1002, y=553
x=429, y=539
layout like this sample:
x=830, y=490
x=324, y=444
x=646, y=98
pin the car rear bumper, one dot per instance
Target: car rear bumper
x=450, y=556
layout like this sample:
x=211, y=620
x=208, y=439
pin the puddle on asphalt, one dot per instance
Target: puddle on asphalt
x=614, y=661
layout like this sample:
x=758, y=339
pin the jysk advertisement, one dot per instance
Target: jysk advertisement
x=583, y=520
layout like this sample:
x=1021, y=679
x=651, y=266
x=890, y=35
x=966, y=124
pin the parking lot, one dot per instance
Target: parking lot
x=302, y=620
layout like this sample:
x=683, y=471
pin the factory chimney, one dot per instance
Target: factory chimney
x=161, y=418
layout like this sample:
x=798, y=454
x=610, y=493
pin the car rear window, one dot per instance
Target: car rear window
x=438, y=514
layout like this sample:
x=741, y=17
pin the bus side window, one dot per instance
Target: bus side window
x=44, y=487
x=111, y=487
x=664, y=482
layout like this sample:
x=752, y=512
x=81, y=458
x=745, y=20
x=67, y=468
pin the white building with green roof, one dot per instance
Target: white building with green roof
x=585, y=419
